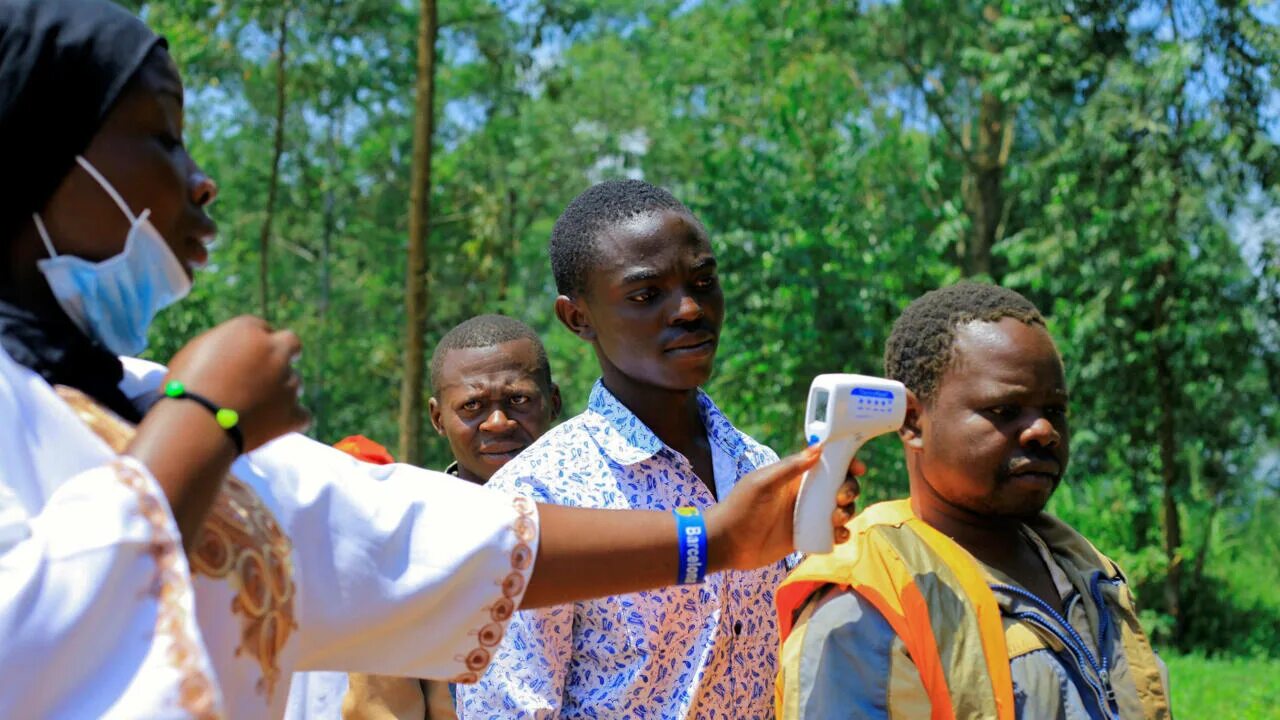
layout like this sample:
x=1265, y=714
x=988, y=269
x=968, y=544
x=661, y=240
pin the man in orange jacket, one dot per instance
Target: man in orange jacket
x=967, y=600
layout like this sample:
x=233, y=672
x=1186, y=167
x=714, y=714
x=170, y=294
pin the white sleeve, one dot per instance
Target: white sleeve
x=399, y=570
x=96, y=610
x=530, y=669
x=531, y=665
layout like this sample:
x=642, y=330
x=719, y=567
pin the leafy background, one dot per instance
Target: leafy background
x=1115, y=161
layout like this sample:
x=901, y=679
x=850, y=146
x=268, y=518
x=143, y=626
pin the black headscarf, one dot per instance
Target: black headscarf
x=63, y=65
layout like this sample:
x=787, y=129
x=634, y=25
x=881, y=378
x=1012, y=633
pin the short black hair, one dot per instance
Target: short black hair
x=487, y=331
x=573, y=238
x=921, y=345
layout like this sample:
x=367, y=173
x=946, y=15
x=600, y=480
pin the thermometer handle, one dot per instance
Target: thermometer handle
x=817, y=499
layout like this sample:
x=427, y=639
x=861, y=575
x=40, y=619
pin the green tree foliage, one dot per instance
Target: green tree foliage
x=1117, y=162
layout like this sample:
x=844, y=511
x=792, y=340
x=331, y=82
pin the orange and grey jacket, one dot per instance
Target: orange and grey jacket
x=901, y=622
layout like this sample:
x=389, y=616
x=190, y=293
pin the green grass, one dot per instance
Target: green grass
x=1224, y=688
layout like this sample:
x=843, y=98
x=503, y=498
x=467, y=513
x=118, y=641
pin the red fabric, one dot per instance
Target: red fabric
x=362, y=448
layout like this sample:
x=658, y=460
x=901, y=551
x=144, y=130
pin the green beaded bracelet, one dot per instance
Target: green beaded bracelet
x=227, y=419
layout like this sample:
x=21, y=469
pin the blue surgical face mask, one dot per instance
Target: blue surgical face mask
x=114, y=301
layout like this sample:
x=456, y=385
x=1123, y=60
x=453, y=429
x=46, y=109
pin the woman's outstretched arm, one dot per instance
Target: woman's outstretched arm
x=585, y=553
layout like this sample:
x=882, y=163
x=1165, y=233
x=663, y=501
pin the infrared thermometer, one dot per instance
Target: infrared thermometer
x=844, y=411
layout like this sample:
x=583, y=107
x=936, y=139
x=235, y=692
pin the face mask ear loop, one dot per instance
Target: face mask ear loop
x=44, y=235
x=108, y=188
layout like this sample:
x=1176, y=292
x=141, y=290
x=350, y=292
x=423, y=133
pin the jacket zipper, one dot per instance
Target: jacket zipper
x=1103, y=691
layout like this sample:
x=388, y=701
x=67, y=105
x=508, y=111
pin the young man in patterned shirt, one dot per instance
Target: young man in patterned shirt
x=637, y=280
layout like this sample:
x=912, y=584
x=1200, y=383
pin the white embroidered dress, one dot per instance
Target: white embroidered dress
x=310, y=560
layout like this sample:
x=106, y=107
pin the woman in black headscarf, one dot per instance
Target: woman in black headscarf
x=300, y=557
x=60, y=75
x=87, y=92
x=91, y=544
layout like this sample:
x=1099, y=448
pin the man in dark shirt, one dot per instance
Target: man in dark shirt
x=491, y=397
x=492, y=393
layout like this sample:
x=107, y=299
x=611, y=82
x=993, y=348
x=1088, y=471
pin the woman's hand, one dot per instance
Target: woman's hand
x=753, y=526
x=244, y=365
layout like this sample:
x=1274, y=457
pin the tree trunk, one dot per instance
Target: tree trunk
x=984, y=184
x=1167, y=400
x=1271, y=288
x=412, y=390
x=318, y=405
x=1166, y=434
x=1140, y=520
x=506, y=250
x=1216, y=478
x=264, y=240
x=1166, y=393
x=984, y=154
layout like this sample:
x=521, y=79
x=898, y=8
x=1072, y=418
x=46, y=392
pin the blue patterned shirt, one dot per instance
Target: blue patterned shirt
x=698, y=651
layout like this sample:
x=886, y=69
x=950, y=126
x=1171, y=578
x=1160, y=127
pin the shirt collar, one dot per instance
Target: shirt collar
x=627, y=441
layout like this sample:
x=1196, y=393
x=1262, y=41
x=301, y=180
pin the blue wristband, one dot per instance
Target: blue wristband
x=691, y=530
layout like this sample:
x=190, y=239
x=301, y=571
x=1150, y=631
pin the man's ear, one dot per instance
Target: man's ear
x=433, y=410
x=575, y=317
x=912, y=430
x=555, y=401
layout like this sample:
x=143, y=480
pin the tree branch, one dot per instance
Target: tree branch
x=931, y=100
x=1006, y=143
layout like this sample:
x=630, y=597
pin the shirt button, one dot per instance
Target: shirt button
x=737, y=628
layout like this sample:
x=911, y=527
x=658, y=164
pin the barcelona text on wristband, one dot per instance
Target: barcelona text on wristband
x=691, y=530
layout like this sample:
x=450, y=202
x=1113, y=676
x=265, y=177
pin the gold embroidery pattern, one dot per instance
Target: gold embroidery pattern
x=196, y=692
x=240, y=542
x=488, y=637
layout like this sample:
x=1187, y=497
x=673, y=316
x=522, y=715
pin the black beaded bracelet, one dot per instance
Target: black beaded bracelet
x=227, y=419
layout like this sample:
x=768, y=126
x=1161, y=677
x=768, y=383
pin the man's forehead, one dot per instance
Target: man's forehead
x=506, y=362
x=655, y=221
x=649, y=235
x=1005, y=349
